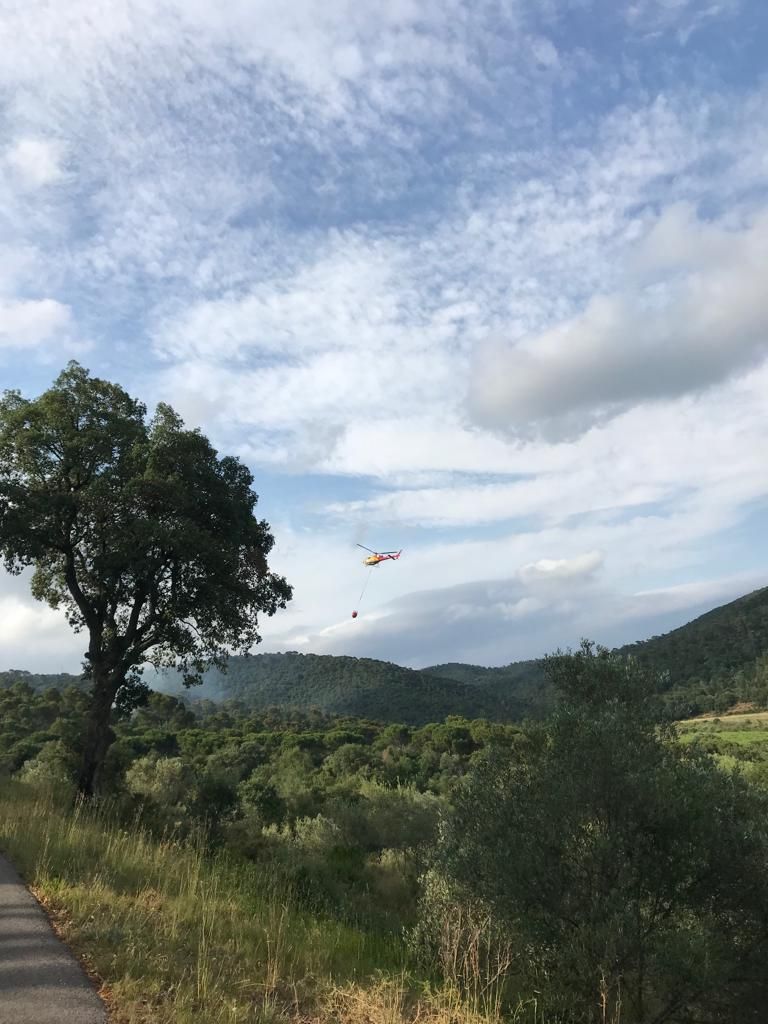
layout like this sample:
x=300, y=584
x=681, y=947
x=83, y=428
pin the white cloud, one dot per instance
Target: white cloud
x=32, y=635
x=545, y=52
x=306, y=54
x=364, y=334
x=345, y=300
x=701, y=317
x=187, y=129
x=582, y=566
x=694, y=454
x=29, y=323
x=37, y=162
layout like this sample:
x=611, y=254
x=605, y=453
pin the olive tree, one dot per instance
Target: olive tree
x=629, y=871
x=139, y=531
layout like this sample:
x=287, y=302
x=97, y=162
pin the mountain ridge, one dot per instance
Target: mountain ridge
x=709, y=650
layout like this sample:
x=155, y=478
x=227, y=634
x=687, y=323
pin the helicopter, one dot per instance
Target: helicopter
x=375, y=557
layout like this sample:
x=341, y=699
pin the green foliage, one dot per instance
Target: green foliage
x=53, y=766
x=590, y=856
x=261, y=801
x=727, y=674
x=520, y=687
x=349, y=686
x=166, y=781
x=708, y=664
x=138, y=530
x=738, y=742
x=179, y=935
x=29, y=720
x=627, y=865
x=719, y=643
x=254, y=781
x=41, y=680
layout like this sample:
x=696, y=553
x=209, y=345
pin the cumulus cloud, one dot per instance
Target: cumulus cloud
x=33, y=637
x=693, y=454
x=700, y=317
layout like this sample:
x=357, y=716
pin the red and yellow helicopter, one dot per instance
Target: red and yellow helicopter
x=373, y=559
x=379, y=556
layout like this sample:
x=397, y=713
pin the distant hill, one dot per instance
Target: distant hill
x=361, y=687
x=710, y=656
x=718, y=643
x=39, y=680
x=521, y=684
x=703, y=655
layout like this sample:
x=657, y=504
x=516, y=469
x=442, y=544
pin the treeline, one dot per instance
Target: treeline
x=231, y=741
x=41, y=680
x=747, y=685
x=710, y=664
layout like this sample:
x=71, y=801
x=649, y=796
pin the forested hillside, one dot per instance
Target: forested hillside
x=353, y=686
x=708, y=664
x=722, y=641
x=307, y=850
x=521, y=684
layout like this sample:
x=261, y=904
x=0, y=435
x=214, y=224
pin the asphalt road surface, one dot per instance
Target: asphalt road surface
x=40, y=981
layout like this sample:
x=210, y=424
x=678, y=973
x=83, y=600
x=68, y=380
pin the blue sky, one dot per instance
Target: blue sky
x=485, y=281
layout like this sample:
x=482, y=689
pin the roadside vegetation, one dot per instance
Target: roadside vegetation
x=590, y=868
x=177, y=932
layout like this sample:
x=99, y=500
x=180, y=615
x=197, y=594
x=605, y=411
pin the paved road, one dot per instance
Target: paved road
x=40, y=980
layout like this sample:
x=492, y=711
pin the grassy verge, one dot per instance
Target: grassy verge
x=177, y=936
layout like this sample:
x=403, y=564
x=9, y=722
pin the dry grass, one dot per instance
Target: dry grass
x=727, y=718
x=176, y=936
x=394, y=1001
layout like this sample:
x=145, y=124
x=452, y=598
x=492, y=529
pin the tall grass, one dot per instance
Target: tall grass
x=178, y=935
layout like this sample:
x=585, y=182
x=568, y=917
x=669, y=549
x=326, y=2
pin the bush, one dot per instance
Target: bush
x=631, y=869
x=55, y=765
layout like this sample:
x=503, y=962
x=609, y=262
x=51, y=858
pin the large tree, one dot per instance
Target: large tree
x=139, y=531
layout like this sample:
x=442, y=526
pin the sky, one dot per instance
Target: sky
x=484, y=280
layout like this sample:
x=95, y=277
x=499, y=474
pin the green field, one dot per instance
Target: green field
x=746, y=729
x=739, y=742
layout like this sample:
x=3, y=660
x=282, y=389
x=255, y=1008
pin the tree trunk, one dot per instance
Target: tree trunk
x=98, y=734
